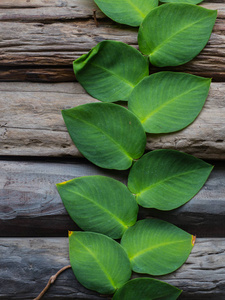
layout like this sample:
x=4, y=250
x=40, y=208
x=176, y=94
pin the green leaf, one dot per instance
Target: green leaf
x=174, y=33
x=166, y=179
x=107, y=134
x=98, y=262
x=156, y=247
x=110, y=71
x=100, y=204
x=146, y=289
x=182, y=1
x=129, y=12
x=168, y=101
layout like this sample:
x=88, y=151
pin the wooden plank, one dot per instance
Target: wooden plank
x=55, y=3
x=44, y=41
x=46, y=11
x=62, y=10
x=37, y=10
x=31, y=123
x=27, y=264
x=30, y=204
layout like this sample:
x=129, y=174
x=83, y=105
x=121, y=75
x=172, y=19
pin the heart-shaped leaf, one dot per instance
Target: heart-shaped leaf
x=98, y=262
x=107, y=134
x=146, y=289
x=100, y=204
x=129, y=12
x=156, y=247
x=166, y=179
x=168, y=101
x=182, y=1
x=110, y=71
x=182, y=32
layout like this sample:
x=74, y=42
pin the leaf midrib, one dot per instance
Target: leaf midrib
x=166, y=179
x=137, y=9
x=102, y=208
x=104, y=270
x=154, y=247
x=169, y=102
x=173, y=35
x=109, y=137
x=115, y=75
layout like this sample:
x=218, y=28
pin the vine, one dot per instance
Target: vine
x=114, y=137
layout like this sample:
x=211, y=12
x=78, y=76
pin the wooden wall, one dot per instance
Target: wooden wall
x=39, y=39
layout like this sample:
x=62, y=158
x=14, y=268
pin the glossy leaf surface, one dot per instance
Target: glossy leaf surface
x=129, y=12
x=98, y=262
x=146, y=289
x=110, y=71
x=107, y=134
x=182, y=1
x=100, y=204
x=168, y=101
x=182, y=32
x=166, y=179
x=156, y=247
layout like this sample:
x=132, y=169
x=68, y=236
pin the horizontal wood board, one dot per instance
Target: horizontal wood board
x=47, y=35
x=31, y=123
x=27, y=264
x=31, y=206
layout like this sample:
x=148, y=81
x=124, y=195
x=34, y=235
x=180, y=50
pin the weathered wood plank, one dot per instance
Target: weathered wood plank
x=27, y=264
x=31, y=122
x=37, y=43
x=63, y=10
x=56, y=10
x=30, y=204
x=58, y=3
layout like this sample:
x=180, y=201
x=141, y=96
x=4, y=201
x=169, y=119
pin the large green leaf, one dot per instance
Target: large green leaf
x=110, y=71
x=100, y=204
x=182, y=1
x=174, y=33
x=146, y=289
x=168, y=101
x=166, y=179
x=129, y=12
x=107, y=134
x=98, y=262
x=156, y=247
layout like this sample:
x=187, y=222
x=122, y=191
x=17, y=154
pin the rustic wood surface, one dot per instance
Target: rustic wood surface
x=49, y=34
x=27, y=264
x=31, y=123
x=31, y=206
x=39, y=40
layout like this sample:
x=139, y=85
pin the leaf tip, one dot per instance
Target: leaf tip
x=193, y=239
x=70, y=233
x=61, y=183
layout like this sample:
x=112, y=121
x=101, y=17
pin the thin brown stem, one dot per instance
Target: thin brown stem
x=51, y=281
x=95, y=18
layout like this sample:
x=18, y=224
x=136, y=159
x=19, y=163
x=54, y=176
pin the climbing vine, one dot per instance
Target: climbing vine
x=114, y=137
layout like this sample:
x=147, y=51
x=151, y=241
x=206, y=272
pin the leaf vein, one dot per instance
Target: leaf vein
x=100, y=264
x=169, y=102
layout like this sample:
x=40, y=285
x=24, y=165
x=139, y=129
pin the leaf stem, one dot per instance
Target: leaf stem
x=51, y=281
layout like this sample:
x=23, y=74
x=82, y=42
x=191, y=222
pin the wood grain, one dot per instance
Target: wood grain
x=27, y=264
x=34, y=36
x=31, y=123
x=30, y=204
